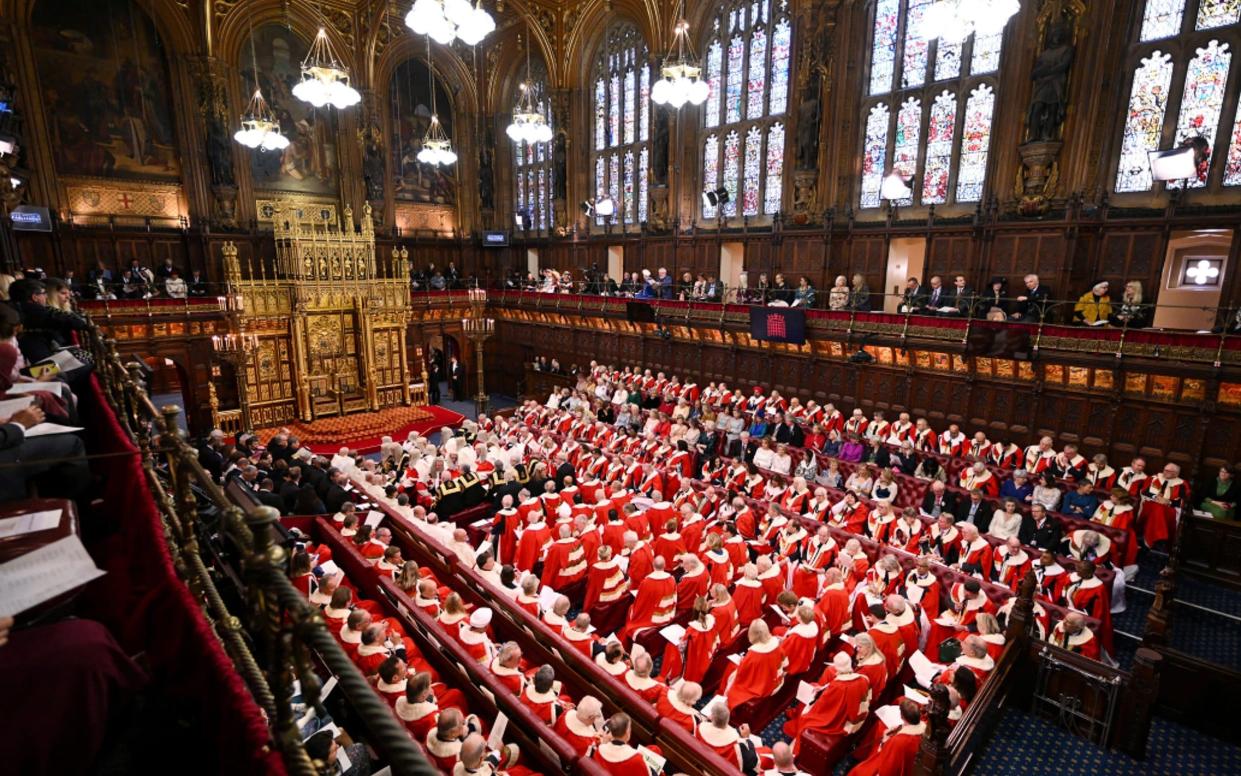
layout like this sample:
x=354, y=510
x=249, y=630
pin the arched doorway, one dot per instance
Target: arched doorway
x=441, y=348
x=169, y=385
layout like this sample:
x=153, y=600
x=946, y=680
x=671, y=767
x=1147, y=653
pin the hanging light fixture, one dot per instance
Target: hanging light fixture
x=529, y=125
x=446, y=20
x=325, y=81
x=436, y=147
x=681, y=76
x=259, y=128
x=955, y=20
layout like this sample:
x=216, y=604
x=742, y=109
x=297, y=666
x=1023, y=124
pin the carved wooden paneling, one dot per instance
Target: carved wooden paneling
x=1125, y=256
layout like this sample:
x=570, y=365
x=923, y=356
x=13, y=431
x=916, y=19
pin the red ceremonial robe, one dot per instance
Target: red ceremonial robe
x=670, y=708
x=838, y=710
x=621, y=759
x=530, y=548
x=653, y=606
x=760, y=674
x=799, y=646
x=749, y=597
x=896, y=754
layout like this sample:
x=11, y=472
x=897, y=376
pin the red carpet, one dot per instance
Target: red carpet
x=362, y=432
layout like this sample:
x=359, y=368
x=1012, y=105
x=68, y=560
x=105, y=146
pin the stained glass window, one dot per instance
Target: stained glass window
x=1202, y=99
x=883, y=48
x=710, y=171
x=913, y=67
x=1202, y=51
x=775, y=169
x=532, y=163
x=715, y=56
x=938, y=164
x=874, y=155
x=915, y=83
x=975, y=140
x=1148, y=99
x=623, y=123
x=644, y=163
x=747, y=67
x=732, y=157
x=736, y=64
x=758, y=74
x=1218, y=13
x=1232, y=166
x=1162, y=19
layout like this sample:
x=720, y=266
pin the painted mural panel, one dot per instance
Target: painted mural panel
x=410, y=105
x=104, y=80
x=309, y=164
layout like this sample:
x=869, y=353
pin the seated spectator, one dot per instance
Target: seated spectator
x=1046, y=493
x=1018, y=487
x=851, y=451
x=1131, y=312
x=838, y=296
x=804, y=295
x=1081, y=502
x=1217, y=496
x=45, y=329
x=175, y=286
x=1093, y=308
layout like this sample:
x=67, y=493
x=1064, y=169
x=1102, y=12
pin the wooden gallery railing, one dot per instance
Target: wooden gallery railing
x=275, y=633
x=1192, y=689
x=1031, y=671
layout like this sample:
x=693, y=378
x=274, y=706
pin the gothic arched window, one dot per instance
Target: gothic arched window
x=620, y=156
x=1183, y=87
x=928, y=110
x=742, y=141
x=532, y=162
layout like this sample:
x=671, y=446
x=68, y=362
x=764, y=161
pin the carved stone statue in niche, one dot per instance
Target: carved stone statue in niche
x=808, y=116
x=1050, y=74
x=220, y=153
x=486, y=186
x=659, y=148
x=559, y=161
x=373, y=169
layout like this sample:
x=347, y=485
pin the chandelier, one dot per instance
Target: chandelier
x=954, y=20
x=436, y=147
x=444, y=20
x=259, y=128
x=529, y=125
x=681, y=80
x=325, y=81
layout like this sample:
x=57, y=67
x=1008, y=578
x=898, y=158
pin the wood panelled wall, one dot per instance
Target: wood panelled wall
x=1196, y=435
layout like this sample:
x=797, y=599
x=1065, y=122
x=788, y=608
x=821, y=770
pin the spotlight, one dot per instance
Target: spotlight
x=587, y=207
x=1181, y=162
x=715, y=197
x=520, y=219
x=606, y=207
x=895, y=186
x=8, y=144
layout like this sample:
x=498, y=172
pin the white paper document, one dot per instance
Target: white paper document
x=51, y=386
x=547, y=597
x=47, y=429
x=673, y=632
x=496, y=739
x=43, y=574
x=329, y=568
x=805, y=693
x=9, y=406
x=654, y=763
x=917, y=696
x=31, y=523
x=924, y=670
x=735, y=659
x=890, y=716
x=65, y=361
x=374, y=518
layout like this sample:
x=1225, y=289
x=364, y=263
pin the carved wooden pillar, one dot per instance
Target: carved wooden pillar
x=1138, y=700
x=933, y=753
x=210, y=78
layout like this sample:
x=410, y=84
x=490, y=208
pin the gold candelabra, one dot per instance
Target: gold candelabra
x=478, y=328
x=234, y=348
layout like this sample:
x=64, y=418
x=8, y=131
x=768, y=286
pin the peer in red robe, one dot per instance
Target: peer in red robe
x=801, y=642
x=833, y=603
x=1164, y=495
x=749, y=597
x=840, y=707
x=899, y=751
x=1072, y=634
x=654, y=605
x=641, y=563
x=534, y=539
x=565, y=562
x=605, y=582
x=671, y=707
x=761, y=671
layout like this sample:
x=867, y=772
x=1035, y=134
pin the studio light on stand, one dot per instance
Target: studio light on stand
x=1180, y=163
x=715, y=197
x=895, y=187
x=605, y=207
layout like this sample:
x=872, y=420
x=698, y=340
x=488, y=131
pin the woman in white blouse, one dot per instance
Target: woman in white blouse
x=782, y=462
x=1046, y=492
x=861, y=481
x=1006, y=521
x=764, y=455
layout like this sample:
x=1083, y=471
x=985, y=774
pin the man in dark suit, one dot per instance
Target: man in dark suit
x=938, y=501
x=336, y=494
x=904, y=460
x=1032, y=305
x=1044, y=530
x=564, y=469
x=960, y=300
x=268, y=497
x=290, y=488
x=210, y=454
x=456, y=379
x=937, y=297
x=912, y=299
x=789, y=432
x=976, y=510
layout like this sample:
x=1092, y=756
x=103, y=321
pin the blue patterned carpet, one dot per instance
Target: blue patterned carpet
x=1025, y=745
